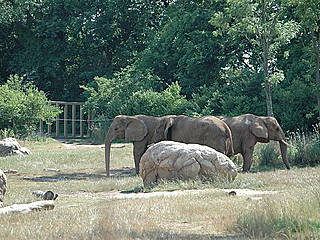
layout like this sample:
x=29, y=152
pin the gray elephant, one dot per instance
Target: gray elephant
x=144, y=130
x=209, y=131
x=139, y=129
x=249, y=129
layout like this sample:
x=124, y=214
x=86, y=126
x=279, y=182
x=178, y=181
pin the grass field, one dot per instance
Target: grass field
x=274, y=204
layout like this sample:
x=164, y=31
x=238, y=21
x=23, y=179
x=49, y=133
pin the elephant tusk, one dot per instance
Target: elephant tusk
x=288, y=144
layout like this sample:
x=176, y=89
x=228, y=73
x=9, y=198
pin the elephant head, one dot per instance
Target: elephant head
x=161, y=131
x=123, y=127
x=268, y=128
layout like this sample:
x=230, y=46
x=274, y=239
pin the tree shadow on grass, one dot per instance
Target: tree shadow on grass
x=60, y=177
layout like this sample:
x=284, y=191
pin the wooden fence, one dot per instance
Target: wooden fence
x=78, y=121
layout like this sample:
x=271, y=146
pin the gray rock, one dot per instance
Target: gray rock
x=10, y=146
x=45, y=195
x=175, y=160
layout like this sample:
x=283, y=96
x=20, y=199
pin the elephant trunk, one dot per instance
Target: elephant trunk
x=107, y=156
x=283, y=147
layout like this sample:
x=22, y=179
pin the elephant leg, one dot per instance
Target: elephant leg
x=247, y=159
x=139, y=149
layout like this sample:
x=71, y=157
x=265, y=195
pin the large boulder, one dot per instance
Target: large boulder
x=10, y=146
x=3, y=186
x=175, y=160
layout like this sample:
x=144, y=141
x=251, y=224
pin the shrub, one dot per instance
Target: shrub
x=306, y=148
x=21, y=107
x=268, y=155
x=130, y=93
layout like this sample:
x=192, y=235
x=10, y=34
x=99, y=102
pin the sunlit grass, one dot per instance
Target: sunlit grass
x=86, y=210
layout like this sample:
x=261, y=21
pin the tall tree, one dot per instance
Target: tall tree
x=184, y=48
x=308, y=12
x=263, y=27
x=62, y=44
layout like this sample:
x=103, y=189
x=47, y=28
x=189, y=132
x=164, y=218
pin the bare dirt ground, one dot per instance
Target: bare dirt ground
x=253, y=194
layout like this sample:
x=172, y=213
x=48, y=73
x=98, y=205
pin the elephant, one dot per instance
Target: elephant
x=144, y=130
x=248, y=129
x=139, y=129
x=209, y=131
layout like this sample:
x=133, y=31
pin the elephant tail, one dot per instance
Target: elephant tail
x=229, y=143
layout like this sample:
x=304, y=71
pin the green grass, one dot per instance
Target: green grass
x=85, y=208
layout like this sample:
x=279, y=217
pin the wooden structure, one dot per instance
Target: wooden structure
x=77, y=119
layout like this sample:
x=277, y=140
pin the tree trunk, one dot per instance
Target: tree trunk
x=265, y=46
x=268, y=96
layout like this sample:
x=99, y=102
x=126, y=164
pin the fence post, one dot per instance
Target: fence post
x=57, y=123
x=81, y=123
x=65, y=120
x=89, y=122
x=73, y=120
x=41, y=127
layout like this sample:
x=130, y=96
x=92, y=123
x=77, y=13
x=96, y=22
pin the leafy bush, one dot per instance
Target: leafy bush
x=306, y=148
x=268, y=155
x=130, y=93
x=21, y=107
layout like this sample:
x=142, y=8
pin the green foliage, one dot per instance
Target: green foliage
x=268, y=155
x=306, y=148
x=149, y=102
x=62, y=44
x=128, y=93
x=213, y=49
x=184, y=50
x=22, y=106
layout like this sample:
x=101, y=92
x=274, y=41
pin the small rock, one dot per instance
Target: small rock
x=232, y=193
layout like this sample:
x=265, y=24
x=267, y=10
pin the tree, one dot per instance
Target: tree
x=62, y=44
x=184, y=48
x=263, y=28
x=308, y=12
x=22, y=105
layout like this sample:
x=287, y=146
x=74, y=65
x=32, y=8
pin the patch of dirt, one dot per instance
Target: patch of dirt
x=120, y=195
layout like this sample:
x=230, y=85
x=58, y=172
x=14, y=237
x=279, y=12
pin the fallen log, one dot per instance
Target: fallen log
x=10, y=171
x=26, y=208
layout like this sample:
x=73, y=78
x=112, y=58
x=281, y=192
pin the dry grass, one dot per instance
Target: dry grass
x=85, y=208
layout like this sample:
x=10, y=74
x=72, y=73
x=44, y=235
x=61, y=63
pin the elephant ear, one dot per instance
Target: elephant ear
x=259, y=129
x=136, y=130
